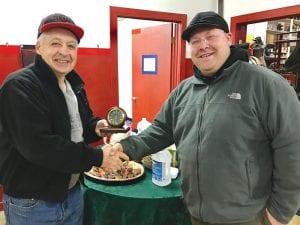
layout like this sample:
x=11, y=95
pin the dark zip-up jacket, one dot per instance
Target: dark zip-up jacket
x=238, y=144
x=37, y=156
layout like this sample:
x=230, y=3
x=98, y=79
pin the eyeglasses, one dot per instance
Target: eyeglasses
x=198, y=41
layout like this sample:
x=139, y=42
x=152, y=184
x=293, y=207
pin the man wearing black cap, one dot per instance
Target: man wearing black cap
x=235, y=126
x=45, y=127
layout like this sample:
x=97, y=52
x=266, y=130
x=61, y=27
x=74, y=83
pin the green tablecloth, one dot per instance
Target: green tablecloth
x=141, y=203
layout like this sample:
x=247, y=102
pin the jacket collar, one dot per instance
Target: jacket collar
x=235, y=54
x=47, y=76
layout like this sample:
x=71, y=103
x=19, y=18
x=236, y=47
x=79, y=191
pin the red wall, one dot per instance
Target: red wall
x=94, y=65
x=9, y=60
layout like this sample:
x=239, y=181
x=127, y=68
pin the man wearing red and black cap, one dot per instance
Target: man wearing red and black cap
x=59, y=20
x=46, y=125
x=235, y=126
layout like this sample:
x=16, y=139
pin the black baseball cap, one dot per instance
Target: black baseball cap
x=204, y=19
x=57, y=20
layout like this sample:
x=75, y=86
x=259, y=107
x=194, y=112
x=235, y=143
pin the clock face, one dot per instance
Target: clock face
x=116, y=117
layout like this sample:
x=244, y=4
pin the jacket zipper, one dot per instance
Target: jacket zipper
x=199, y=150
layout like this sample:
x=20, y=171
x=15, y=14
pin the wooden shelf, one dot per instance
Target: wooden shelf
x=287, y=40
x=283, y=47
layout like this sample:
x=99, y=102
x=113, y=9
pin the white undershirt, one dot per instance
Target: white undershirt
x=76, y=124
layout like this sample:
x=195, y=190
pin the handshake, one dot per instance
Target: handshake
x=113, y=156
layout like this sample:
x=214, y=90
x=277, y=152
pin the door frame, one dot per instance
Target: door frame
x=238, y=25
x=180, y=45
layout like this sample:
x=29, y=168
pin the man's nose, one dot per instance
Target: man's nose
x=64, y=49
x=203, y=43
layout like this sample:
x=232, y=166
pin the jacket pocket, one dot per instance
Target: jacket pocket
x=259, y=177
x=249, y=172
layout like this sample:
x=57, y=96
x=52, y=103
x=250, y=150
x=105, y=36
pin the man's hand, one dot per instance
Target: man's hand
x=116, y=148
x=113, y=161
x=101, y=124
x=272, y=220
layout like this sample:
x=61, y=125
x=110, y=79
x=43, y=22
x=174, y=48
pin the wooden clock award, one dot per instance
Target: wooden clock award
x=116, y=117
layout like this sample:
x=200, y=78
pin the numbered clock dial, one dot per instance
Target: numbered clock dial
x=116, y=117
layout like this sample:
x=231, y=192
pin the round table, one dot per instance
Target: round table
x=140, y=203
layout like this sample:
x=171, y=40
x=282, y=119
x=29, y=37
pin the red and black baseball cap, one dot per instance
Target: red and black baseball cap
x=57, y=20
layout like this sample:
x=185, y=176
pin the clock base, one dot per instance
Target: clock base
x=111, y=130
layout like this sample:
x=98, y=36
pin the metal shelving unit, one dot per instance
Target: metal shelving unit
x=284, y=43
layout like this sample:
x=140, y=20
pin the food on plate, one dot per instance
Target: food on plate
x=147, y=161
x=129, y=169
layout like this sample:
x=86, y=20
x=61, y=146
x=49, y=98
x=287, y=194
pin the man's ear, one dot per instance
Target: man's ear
x=229, y=37
x=37, y=47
